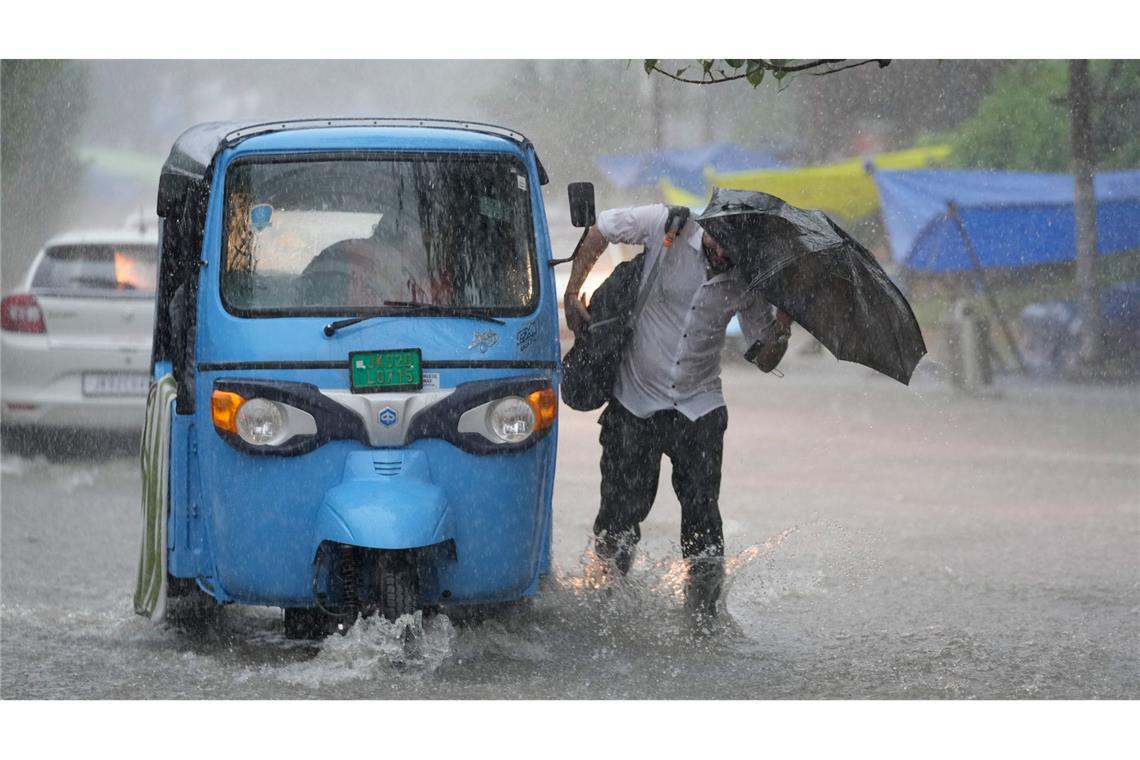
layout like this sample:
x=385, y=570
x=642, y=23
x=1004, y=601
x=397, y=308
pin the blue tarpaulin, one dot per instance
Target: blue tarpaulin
x=684, y=167
x=1014, y=219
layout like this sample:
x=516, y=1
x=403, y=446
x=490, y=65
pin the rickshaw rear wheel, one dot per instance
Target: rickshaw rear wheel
x=189, y=608
x=307, y=623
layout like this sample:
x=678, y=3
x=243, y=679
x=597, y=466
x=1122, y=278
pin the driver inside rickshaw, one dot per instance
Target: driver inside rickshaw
x=367, y=272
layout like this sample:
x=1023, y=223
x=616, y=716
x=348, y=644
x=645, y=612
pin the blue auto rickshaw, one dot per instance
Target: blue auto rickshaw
x=355, y=371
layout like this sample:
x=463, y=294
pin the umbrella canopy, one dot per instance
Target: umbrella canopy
x=808, y=266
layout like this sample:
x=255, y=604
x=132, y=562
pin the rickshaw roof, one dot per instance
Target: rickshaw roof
x=194, y=150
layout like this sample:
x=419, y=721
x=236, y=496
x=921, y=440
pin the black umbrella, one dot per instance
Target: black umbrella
x=804, y=263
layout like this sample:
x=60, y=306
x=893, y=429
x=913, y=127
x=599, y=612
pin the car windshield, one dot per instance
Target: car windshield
x=102, y=269
x=365, y=234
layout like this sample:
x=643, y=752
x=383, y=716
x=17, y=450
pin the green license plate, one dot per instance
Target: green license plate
x=377, y=371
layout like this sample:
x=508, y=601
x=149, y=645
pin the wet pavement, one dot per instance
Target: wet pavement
x=884, y=542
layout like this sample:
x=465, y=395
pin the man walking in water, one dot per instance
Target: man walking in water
x=667, y=399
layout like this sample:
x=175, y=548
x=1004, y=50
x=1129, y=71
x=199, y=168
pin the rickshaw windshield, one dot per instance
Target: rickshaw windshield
x=367, y=234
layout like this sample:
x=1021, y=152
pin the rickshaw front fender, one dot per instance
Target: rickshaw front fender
x=384, y=512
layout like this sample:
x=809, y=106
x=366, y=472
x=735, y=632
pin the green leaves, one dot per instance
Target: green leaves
x=755, y=73
x=1024, y=124
x=650, y=65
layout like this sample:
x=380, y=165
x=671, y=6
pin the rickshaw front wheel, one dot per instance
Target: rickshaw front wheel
x=399, y=592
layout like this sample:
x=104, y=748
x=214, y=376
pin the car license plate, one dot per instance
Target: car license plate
x=115, y=383
x=378, y=371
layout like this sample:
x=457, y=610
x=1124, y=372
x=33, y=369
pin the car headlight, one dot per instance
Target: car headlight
x=511, y=419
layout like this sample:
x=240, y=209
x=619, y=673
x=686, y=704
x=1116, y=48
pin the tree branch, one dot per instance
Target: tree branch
x=780, y=70
x=883, y=63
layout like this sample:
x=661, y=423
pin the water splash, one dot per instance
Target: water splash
x=746, y=557
x=375, y=647
x=655, y=585
x=596, y=630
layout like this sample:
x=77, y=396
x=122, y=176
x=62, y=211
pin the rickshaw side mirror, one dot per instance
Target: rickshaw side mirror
x=581, y=204
x=581, y=214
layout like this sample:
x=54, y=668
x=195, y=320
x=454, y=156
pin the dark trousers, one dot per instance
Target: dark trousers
x=631, y=463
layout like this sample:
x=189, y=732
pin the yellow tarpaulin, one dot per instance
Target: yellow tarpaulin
x=843, y=189
x=675, y=196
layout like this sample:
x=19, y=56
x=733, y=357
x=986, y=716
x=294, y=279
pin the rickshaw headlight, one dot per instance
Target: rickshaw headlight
x=224, y=406
x=512, y=419
x=259, y=422
x=545, y=406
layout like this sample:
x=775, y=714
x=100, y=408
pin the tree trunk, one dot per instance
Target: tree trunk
x=1085, y=205
x=657, y=112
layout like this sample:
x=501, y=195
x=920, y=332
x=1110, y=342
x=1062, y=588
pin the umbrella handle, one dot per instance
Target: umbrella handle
x=678, y=216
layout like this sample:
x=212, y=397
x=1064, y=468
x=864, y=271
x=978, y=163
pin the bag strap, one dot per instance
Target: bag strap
x=678, y=217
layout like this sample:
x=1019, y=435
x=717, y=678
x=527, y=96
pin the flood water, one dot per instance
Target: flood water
x=884, y=542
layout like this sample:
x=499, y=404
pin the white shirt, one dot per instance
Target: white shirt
x=672, y=360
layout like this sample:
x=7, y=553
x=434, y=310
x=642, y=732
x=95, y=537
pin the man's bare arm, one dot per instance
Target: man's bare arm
x=592, y=247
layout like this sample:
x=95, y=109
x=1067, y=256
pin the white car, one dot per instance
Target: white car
x=76, y=337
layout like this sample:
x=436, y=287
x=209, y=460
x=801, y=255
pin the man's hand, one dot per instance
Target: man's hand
x=588, y=252
x=577, y=318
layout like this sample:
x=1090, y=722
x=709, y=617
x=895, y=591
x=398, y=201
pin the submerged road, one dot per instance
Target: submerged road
x=884, y=542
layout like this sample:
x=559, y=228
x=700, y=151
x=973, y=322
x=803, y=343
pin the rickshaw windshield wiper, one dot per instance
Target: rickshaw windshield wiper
x=419, y=308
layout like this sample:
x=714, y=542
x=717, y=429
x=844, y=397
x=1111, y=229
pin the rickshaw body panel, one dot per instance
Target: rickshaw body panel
x=248, y=527
x=385, y=501
x=267, y=527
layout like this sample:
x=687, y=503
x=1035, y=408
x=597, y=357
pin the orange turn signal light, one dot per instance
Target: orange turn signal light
x=545, y=406
x=224, y=407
